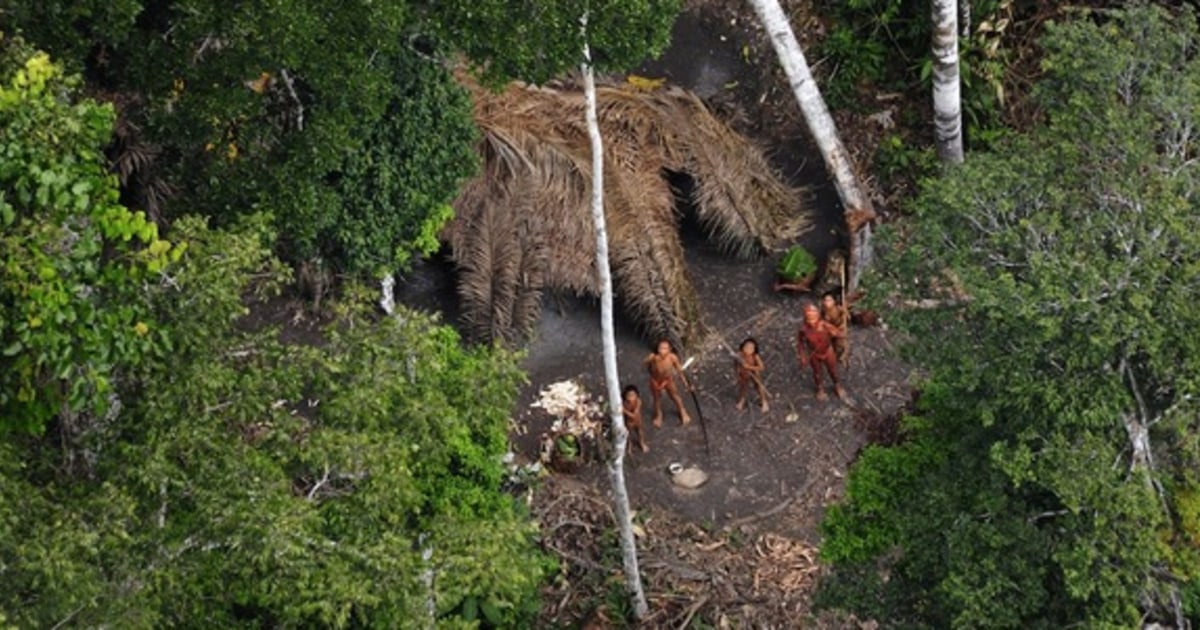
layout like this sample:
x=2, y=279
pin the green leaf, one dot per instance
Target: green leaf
x=491, y=613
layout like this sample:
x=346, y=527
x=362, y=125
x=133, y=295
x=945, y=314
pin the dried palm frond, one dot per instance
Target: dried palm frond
x=524, y=225
x=736, y=194
x=134, y=161
x=489, y=264
x=501, y=240
x=645, y=251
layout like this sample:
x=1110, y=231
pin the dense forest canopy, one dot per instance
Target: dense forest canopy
x=1048, y=475
x=345, y=124
x=166, y=461
x=168, y=166
x=174, y=467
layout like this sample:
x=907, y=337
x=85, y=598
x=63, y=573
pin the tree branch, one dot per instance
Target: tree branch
x=62, y=622
x=162, y=506
x=317, y=486
x=291, y=88
x=1047, y=514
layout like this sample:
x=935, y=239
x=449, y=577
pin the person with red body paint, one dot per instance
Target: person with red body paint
x=815, y=347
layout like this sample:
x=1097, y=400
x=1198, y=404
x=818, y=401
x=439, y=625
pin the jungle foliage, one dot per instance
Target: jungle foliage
x=165, y=462
x=882, y=46
x=166, y=459
x=346, y=125
x=1049, y=476
x=71, y=256
x=288, y=107
x=538, y=41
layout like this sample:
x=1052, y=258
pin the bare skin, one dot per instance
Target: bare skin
x=631, y=408
x=750, y=367
x=814, y=348
x=835, y=314
x=663, y=365
x=803, y=286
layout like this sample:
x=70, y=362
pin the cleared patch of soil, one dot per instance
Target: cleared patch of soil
x=757, y=460
x=797, y=452
x=717, y=553
x=707, y=552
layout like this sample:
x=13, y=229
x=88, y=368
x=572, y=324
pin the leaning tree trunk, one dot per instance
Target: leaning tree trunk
x=947, y=104
x=857, y=205
x=616, y=468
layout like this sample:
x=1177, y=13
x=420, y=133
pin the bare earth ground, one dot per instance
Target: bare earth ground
x=742, y=547
x=797, y=452
x=740, y=551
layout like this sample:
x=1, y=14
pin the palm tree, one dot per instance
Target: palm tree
x=522, y=226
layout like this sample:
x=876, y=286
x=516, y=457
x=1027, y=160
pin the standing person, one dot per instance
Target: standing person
x=814, y=346
x=836, y=314
x=662, y=365
x=750, y=367
x=631, y=408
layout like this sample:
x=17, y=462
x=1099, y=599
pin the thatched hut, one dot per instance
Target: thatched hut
x=523, y=225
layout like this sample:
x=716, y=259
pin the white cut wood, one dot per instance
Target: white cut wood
x=947, y=99
x=856, y=203
x=616, y=467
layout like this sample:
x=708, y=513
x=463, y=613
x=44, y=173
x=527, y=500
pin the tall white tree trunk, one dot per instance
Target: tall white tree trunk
x=855, y=201
x=616, y=468
x=947, y=102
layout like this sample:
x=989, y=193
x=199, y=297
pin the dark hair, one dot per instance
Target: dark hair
x=630, y=388
x=748, y=340
x=831, y=294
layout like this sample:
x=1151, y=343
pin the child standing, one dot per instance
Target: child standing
x=836, y=314
x=663, y=365
x=631, y=408
x=750, y=367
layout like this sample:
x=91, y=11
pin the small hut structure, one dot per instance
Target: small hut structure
x=523, y=226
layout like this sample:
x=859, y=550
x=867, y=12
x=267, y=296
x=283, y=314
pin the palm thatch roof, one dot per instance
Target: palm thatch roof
x=524, y=226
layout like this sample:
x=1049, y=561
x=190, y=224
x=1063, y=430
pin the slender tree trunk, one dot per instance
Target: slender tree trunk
x=947, y=102
x=387, y=291
x=426, y=547
x=857, y=205
x=616, y=467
